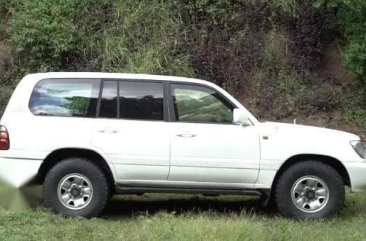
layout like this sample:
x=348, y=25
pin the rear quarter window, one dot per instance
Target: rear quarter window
x=65, y=97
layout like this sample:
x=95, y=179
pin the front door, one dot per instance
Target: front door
x=206, y=147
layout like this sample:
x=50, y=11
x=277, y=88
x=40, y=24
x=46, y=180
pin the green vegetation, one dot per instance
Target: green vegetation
x=352, y=17
x=284, y=59
x=179, y=217
x=103, y=35
x=5, y=93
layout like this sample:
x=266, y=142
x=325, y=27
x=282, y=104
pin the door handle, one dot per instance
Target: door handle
x=186, y=135
x=108, y=131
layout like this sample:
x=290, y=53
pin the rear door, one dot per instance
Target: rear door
x=131, y=129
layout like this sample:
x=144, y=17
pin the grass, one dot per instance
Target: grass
x=184, y=217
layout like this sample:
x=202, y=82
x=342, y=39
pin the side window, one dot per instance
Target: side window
x=141, y=100
x=200, y=104
x=109, y=100
x=65, y=97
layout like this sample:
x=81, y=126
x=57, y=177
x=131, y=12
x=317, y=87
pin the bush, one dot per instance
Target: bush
x=45, y=35
x=5, y=93
x=225, y=39
x=306, y=37
x=102, y=35
x=352, y=16
x=355, y=107
x=282, y=90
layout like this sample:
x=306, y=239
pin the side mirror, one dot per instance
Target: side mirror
x=241, y=118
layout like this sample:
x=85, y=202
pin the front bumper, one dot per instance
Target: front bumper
x=17, y=172
x=357, y=174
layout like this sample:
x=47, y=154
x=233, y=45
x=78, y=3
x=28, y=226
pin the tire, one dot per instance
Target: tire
x=299, y=192
x=76, y=179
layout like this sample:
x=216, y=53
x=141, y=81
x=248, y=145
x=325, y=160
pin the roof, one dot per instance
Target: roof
x=101, y=75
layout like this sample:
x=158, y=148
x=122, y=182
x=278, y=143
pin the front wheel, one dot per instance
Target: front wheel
x=309, y=190
x=76, y=187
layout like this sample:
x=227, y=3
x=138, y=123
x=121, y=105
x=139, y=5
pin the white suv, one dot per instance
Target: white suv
x=87, y=136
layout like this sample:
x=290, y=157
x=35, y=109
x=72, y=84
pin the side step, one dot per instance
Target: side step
x=122, y=189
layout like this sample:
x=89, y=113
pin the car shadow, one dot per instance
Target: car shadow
x=122, y=207
x=130, y=206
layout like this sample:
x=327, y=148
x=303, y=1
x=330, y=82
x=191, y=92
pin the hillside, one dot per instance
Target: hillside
x=283, y=59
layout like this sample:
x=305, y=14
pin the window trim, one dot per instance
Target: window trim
x=165, y=104
x=100, y=100
x=171, y=102
x=68, y=78
x=97, y=113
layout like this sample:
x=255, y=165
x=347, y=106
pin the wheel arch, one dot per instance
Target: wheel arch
x=58, y=155
x=328, y=160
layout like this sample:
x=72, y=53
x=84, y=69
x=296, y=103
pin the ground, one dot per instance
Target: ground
x=184, y=217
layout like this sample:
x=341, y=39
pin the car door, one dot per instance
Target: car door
x=206, y=147
x=131, y=129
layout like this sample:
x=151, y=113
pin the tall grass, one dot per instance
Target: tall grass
x=103, y=35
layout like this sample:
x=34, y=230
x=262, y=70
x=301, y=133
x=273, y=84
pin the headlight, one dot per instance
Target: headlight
x=360, y=148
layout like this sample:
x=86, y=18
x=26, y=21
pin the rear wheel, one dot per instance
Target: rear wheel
x=309, y=190
x=76, y=187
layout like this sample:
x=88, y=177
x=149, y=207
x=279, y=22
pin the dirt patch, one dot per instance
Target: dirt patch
x=332, y=67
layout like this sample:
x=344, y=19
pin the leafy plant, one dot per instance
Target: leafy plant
x=307, y=30
x=355, y=107
x=5, y=93
x=352, y=16
x=106, y=35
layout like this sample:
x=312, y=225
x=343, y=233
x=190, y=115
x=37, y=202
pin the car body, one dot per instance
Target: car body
x=150, y=133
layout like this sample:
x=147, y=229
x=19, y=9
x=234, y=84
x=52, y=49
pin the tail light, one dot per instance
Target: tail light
x=4, y=139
